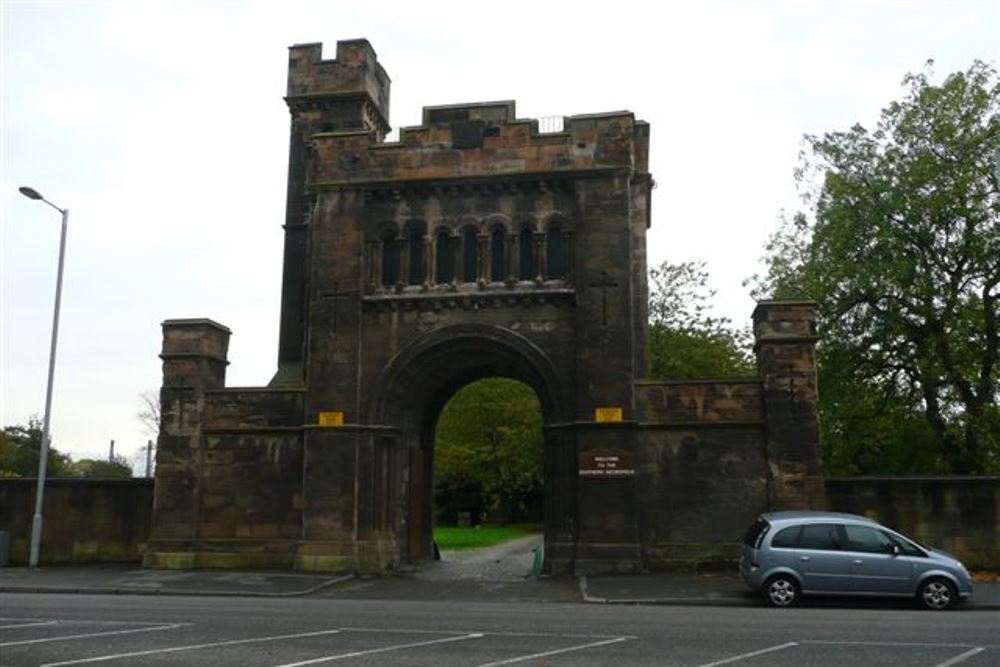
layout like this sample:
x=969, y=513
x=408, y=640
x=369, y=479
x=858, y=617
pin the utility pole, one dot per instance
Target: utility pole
x=149, y=456
x=111, y=453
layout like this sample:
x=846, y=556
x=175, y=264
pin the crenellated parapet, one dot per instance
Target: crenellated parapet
x=481, y=140
x=315, y=84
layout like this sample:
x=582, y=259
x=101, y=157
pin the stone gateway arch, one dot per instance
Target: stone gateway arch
x=474, y=245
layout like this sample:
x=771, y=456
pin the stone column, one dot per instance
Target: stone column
x=194, y=360
x=785, y=335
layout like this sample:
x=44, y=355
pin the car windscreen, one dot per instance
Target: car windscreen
x=756, y=533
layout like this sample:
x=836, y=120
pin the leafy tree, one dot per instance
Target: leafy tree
x=489, y=437
x=19, y=450
x=685, y=340
x=901, y=248
x=97, y=468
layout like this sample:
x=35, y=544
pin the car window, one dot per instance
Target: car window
x=869, y=540
x=786, y=538
x=823, y=536
x=905, y=547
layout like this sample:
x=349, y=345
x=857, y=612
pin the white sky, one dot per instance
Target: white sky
x=161, y=126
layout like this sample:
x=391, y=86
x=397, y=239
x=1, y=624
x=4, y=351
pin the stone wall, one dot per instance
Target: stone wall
x=85, y=520
x=958, y=514
x=702, y=471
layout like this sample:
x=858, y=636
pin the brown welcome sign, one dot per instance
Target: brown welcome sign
x=605, y=463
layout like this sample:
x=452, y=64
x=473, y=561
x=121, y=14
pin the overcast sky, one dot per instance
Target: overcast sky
x=161, y=126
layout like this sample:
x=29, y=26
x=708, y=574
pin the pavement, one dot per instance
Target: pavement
x=497, y=574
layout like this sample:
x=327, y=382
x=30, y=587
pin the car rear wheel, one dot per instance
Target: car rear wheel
x=937, y=594
x=781, y=591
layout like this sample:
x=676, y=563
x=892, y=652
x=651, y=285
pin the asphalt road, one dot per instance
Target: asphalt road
x=222, y=632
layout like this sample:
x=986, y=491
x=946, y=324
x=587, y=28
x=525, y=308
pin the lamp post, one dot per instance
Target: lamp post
x=43, y=454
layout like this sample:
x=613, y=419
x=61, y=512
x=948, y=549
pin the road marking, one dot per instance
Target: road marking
x=562, y=635
x=384, y=649
x=860, y=643
x=744, y=656
x=407, y=631
x=28, y=625
x=960, y=658
x=568, y=649
x=190, y=647
x=172, y=626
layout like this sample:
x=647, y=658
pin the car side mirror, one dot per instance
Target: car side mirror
x=895, y=549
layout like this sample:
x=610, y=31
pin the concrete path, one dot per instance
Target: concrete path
x=507, y=561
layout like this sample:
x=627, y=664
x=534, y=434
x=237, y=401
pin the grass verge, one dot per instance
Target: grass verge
x=450, y=537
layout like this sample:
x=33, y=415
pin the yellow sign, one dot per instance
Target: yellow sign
x=331, y=419
x=603, y=415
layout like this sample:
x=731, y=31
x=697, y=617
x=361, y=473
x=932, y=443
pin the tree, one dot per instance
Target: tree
x=685, y=340
x=149, y=411
x=19, y=450
x=489, y=436
x=97, y=468
x=901, y=248
x=149, y=416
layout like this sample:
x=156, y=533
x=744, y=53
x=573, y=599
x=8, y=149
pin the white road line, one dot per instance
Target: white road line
x=744, y=656
x=191, y=647
x=172, y=626
x=27, y=625
x=960, y=658
x=81, y=621
x=568, y=649
x=384, y=649
x=419, y=631
x=407, y=631
x=860, y=643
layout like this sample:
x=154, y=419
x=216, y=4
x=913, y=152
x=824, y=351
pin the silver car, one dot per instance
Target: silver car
x=788, y=554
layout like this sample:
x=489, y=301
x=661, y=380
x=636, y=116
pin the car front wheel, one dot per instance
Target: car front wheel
x=781, y=591
x=937, y=594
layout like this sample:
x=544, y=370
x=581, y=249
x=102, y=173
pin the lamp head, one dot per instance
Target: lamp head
x=30, y=193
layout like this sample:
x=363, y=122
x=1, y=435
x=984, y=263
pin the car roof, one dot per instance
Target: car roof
x=809, y=515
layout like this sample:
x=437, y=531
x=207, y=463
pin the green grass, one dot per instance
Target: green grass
x=450, y=537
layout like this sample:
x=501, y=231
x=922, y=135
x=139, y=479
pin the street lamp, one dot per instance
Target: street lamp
x=43, y=454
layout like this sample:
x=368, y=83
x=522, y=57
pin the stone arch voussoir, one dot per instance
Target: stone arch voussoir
x=446, y=358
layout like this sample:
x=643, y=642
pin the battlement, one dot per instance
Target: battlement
x=355, y=70
x=482, y=139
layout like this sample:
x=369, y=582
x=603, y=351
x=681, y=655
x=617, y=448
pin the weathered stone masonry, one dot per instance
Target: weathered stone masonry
x=474, y=246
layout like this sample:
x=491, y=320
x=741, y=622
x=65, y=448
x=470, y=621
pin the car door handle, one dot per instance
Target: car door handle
x=804, y=559
x=858, y=561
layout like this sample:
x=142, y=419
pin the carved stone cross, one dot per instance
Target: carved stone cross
x=334, y=294
x=604, y=284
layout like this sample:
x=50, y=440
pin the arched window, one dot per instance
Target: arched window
x=415, y=240
x=526, y=254
x=442, y=254
x=555, y=253
x=498, y=264
x=390, y=261
x=470, y=255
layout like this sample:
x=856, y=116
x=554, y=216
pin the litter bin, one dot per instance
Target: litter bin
x=4, y=548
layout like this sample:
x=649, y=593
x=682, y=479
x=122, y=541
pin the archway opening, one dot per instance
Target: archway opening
x=417, y=385
x=487, y=465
